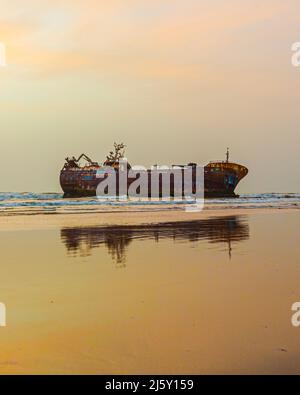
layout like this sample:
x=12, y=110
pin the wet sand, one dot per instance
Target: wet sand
x=150, y=293
x=30, y=220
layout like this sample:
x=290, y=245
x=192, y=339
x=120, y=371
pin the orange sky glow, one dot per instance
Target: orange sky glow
x=176, y=80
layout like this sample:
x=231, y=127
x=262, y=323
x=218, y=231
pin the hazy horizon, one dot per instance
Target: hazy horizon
x=177, y=81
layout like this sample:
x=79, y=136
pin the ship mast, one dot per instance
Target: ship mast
x=227, y=155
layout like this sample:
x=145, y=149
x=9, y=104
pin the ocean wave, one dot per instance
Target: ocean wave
x=4, y=196
x=53, y=201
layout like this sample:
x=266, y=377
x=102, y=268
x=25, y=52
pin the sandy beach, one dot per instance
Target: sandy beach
x=79, y=217
x=161, y=292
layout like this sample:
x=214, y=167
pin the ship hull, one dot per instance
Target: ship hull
x=220, y=180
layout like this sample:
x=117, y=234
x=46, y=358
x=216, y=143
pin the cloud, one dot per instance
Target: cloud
x=158, y=38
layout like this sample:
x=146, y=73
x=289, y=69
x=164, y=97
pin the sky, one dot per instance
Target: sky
x=177, y=81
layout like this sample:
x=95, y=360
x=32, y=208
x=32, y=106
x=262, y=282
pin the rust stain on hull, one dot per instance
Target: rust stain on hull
x=220, y=177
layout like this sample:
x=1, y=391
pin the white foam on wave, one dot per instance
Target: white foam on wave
x=12, y=200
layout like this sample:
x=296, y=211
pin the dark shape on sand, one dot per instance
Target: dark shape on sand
x=81, y=240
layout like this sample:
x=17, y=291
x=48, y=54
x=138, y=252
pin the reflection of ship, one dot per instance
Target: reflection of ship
x=80, y=240
x=220, y=177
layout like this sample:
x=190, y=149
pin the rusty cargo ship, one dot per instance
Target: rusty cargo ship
x=81, y=180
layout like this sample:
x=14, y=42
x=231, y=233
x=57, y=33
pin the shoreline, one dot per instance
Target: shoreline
x=44, y=221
